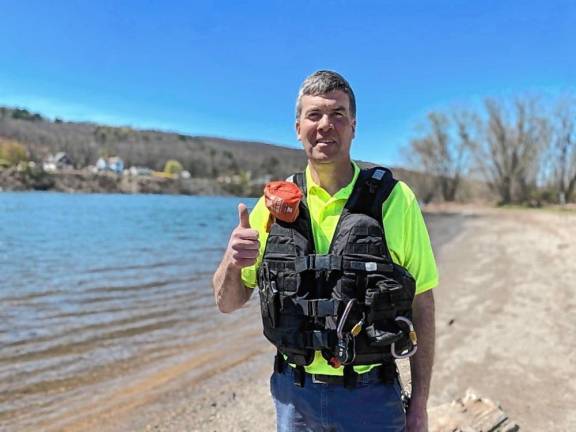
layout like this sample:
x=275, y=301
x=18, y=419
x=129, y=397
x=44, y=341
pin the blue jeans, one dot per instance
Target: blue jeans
x=370, y=406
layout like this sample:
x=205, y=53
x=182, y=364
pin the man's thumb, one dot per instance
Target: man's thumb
x=243, y=216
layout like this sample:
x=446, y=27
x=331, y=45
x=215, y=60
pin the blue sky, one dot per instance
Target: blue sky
x=233, y=68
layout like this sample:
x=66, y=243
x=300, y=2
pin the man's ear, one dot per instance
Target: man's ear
x=297, y=127
x=354, y=128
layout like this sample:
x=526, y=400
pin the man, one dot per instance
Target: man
x=322, y=398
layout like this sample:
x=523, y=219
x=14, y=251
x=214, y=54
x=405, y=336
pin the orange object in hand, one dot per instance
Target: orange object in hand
x=282, y=199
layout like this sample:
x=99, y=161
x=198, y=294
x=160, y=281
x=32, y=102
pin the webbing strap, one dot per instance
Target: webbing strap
x=317, y=339
x=366, y=230
x=350, y=376
x=319, y=307
x=351, y=265
x=300, y=179
x=372, y=188
x=328, y=263
x=279, y=362
x=280, y=248
x=280, y=266
x=318, y=262
x=299, y=374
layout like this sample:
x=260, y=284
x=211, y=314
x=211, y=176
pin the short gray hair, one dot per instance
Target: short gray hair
x=323, y=82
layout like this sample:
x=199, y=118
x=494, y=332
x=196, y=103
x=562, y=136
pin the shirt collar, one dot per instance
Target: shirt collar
x=344, y=193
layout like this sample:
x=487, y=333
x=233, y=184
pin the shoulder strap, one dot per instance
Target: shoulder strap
x=303, y=224
x=300, y=180
x=372, y=188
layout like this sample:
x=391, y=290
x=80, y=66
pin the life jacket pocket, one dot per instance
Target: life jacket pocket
x=386, y=300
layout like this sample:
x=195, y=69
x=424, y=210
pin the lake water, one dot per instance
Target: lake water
x=98, y=292
x=94, y=286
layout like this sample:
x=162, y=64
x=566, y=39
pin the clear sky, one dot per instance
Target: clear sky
x=232, y=68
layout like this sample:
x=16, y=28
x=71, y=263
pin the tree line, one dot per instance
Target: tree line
x=523, y=149
x=519, y=151
x=203, y=157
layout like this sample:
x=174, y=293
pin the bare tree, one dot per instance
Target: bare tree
x=443, y=152
x=564, y=149
x=510, y=151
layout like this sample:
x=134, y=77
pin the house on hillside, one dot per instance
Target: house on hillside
x=101, y=164
x=57, y=162
x=115, y=164
x=111, y=164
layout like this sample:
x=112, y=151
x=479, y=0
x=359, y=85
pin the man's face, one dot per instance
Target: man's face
x=326, y=127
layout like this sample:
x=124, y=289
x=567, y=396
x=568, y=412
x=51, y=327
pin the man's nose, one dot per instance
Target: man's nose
x=325, y=123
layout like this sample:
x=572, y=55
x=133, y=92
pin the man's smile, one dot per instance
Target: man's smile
x=325, y=141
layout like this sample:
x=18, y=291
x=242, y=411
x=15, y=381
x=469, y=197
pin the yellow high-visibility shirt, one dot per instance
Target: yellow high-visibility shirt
x=406, y=237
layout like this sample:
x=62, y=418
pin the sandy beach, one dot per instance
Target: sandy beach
x=505, y=328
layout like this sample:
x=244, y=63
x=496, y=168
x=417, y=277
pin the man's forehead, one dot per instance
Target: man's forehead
x=334, y=99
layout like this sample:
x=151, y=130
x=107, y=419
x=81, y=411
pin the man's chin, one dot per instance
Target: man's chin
x=323, y=161
x=323, y=158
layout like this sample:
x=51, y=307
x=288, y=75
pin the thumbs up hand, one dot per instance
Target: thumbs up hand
x=244, y=245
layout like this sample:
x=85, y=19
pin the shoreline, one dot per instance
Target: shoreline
x=222, y=388
x=81, y=181
x=492, y=336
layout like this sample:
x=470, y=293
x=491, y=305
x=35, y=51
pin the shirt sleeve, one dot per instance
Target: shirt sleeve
x=407, y=237
x=418, y=255
x=258, y=220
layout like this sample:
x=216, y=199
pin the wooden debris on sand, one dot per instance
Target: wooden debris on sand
x=470, y=414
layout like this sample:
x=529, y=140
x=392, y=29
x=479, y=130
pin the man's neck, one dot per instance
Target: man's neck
x=331, y=177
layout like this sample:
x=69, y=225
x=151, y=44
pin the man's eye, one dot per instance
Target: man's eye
x=313, y=116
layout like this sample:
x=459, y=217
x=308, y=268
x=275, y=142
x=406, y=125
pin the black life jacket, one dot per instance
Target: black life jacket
x=353, y=304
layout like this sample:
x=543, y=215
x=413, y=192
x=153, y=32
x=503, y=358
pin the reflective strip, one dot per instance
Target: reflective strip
x=371, y=266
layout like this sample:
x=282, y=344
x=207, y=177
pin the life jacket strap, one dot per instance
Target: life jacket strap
x=317, y=339
x=279, y=362
x=387, y=372
x=280, y=266
x=363, y=266
x=299, y=376
x=334, y=262
x=318, y=263
x=318, y=307
x=350, y=377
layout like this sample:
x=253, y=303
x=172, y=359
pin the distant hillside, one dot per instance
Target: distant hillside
x=204, y=157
